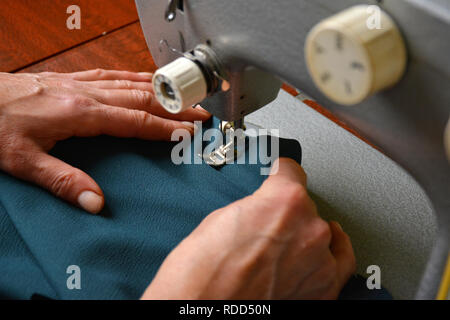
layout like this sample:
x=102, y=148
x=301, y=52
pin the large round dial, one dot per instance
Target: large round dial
x=354, y=54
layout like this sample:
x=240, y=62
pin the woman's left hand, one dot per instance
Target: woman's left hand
x=37, y=110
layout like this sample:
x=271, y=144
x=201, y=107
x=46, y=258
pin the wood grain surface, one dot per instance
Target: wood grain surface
x=35, y=39
x=32, y=30
x=124, y=49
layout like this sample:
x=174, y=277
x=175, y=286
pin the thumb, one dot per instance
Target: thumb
x=65, y=181
x=288, y=170
x=284, y=172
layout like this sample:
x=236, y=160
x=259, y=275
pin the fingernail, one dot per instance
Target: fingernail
x=90, y=201
x=200, y=108
x=190, y=126
x=338, y=225
x=146, y=74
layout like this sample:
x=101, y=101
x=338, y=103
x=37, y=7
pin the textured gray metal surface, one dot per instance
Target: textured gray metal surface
x=406, y=122
x=386, y=213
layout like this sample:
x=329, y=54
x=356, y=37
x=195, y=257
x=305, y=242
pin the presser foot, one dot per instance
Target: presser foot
x=227, y=152
x=235, y=133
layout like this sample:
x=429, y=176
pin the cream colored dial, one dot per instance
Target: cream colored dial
x=349, y=61
x=179, y=85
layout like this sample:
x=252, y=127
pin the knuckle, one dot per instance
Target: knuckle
x=124, y=84
x=287, y=206
x=37, y=87
x=295, y=193
x=76, y=102
x=99, y=72
x=322, y=231
x=62, y=182
x=319, y=235
x=293, y=200
x=142, y=119
x=143, y=98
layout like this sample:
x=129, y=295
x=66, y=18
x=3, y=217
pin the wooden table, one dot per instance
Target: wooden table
x=34, y=38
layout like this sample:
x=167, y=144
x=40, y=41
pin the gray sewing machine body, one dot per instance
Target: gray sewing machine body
x=261, y=42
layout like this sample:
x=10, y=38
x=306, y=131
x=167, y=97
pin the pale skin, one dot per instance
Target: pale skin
x=269, y=245
x=37, y=110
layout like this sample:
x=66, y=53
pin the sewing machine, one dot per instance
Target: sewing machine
x=383, y=70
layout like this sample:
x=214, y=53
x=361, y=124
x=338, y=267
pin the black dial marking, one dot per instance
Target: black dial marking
x=319, y=49
x=357, y=66
x=325, y=77
x=339, y=41
x=348, y=87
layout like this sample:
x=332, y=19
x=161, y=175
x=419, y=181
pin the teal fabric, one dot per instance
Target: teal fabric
x=151, y=205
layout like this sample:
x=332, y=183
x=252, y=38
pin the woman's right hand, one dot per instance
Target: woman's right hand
x=270, y=245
